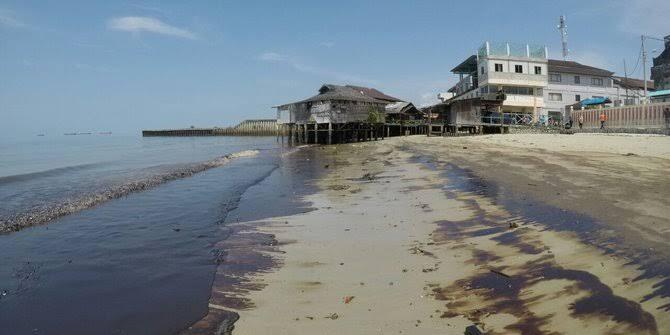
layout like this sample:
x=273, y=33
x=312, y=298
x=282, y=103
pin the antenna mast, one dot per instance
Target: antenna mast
x=564, y=36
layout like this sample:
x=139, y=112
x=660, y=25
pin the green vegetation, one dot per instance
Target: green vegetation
x=375, y=115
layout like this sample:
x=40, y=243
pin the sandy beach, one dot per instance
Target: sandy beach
x=516, y=234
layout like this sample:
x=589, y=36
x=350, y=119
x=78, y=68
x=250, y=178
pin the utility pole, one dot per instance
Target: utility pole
x=644, y=69
x=564, y=36
x=625, y=75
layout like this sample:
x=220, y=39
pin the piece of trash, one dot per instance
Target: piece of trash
x=348, y=299
x=333, y=316
x=630, y=154
x=310, y=317
x=472, y=330
x=513, y=225
x=465, y=147
x=500, y=273
x=326, y=166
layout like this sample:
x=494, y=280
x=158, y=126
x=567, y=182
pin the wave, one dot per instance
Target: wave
x=44, y=214
x=46, y=173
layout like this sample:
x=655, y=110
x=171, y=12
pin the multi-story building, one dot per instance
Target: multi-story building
x=660, y=72
x=571, y=82
x=518, y=70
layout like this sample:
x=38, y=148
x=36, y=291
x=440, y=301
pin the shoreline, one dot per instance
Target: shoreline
x=439, y=241
x=47, y=213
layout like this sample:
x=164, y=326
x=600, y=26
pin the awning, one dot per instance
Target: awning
x=659, y=93
x=595, y=101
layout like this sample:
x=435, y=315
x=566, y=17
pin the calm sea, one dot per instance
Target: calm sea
x=139, y=264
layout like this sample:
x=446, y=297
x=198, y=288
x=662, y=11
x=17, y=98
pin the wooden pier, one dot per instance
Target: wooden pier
x=262, y=127
x=302, y=133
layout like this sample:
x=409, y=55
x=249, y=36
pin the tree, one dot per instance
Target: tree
x=375, y=115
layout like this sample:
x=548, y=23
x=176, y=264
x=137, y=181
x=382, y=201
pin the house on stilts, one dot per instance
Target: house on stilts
x=337, y=114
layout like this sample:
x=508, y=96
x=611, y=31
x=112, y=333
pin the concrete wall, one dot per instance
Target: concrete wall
x=640, y=116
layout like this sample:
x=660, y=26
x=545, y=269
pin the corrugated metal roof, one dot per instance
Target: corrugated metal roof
x=350, y=93
x=633, y=83
x=374, y=93
x=562, y=66
x=398, y=107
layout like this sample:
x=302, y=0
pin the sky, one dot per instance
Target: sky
x=123, y=66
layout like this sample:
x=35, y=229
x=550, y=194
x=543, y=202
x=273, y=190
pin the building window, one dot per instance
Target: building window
x=516, y=90
x=555, y=77
x=578, y=97
x=555, y=97
x=518, y=68
x=597, y=81
x=498, y=67
x=577, y=80
x=538, y=70
x=482, y=70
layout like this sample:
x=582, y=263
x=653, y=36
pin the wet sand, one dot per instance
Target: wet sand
x=518, y=234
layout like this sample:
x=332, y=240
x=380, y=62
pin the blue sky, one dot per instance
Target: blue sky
x=127, y=65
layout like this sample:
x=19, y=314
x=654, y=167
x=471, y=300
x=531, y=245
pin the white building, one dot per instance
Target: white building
x=571, y=82
x=519, y=70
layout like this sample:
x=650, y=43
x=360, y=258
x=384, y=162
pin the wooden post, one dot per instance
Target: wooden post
x=330, y=133
x=316, y=133
x=304, y=133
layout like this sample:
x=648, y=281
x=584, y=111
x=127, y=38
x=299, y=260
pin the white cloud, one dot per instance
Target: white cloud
x=272, y=57
x=8, y=18
x=314, y=70
x=649, y=17
x=137, y=24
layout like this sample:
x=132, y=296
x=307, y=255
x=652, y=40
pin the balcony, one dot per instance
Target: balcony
x=514, y=79
x=523, y=101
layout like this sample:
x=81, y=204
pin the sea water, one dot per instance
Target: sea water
x=139, y=264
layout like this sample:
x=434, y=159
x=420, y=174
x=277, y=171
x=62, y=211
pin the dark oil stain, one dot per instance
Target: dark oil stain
x=514, y=238
x=502, y=288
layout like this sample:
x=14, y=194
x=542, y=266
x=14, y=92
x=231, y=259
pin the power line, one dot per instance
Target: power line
x=639, y=54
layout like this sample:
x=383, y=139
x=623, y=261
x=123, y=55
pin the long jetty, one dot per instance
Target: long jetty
x=261, y=127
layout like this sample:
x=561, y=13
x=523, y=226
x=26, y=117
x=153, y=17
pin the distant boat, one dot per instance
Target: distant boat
x=105, y=133
x=69, y=134
x=40, y=134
